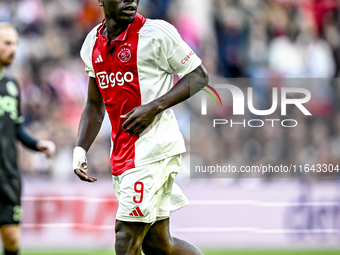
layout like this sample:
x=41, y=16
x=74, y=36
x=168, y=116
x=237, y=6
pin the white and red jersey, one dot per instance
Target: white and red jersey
x=133, y=70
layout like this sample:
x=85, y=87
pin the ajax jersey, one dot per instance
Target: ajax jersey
x=133, y=70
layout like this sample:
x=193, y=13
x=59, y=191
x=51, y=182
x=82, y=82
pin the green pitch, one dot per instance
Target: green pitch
x=226, y=252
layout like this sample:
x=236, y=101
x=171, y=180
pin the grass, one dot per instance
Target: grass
x=225, y=252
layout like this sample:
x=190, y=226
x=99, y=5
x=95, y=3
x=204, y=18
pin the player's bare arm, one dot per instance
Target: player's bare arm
x=90, y=123
x=141, y=117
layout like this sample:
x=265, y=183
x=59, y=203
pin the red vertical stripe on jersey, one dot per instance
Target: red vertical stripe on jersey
x=117, y=79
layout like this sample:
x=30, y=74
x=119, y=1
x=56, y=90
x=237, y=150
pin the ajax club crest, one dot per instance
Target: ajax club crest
x=124, y=54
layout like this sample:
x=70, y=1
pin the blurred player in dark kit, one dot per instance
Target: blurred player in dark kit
x=11, y=130
x=131, y=61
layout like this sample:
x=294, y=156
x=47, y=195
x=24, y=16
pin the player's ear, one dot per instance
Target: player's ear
x=100, y=2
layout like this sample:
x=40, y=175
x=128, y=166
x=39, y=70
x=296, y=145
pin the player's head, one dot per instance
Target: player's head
x=8, y=43
x=121, y=11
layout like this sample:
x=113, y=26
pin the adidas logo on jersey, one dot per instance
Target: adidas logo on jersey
x=136, y=212
x=99, y=59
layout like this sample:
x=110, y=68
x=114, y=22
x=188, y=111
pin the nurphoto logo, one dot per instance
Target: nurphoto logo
x=209, y=93
x=297, y=97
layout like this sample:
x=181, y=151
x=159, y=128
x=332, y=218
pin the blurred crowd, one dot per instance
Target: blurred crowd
x=235, y=39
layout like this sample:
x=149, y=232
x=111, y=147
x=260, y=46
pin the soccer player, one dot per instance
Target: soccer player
x=11, y=130
x=131, y=62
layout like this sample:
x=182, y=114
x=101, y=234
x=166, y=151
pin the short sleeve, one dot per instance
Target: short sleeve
x=184, y=60
x=86, y=51
x=14, y=91
x=180, y=58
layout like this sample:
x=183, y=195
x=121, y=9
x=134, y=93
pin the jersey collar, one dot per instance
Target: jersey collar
x=139, y=20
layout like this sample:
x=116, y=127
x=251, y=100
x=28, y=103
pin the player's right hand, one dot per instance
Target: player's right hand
x=80, y=165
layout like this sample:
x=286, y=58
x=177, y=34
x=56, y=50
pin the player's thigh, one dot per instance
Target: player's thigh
x=130, y=235
x=158, y=239
x=10, y=235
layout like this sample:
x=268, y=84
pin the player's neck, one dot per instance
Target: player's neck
x=114, y=29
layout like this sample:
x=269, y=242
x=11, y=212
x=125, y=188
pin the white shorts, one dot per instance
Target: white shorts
x=148, y=193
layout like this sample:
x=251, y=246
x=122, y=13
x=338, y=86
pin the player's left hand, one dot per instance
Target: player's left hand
x=47, y=147
x=139, y=119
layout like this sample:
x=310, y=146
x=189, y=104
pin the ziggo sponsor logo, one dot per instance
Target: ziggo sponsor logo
x=105, y=80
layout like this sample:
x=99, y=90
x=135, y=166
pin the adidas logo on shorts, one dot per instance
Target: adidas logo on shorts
x=137, y=212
